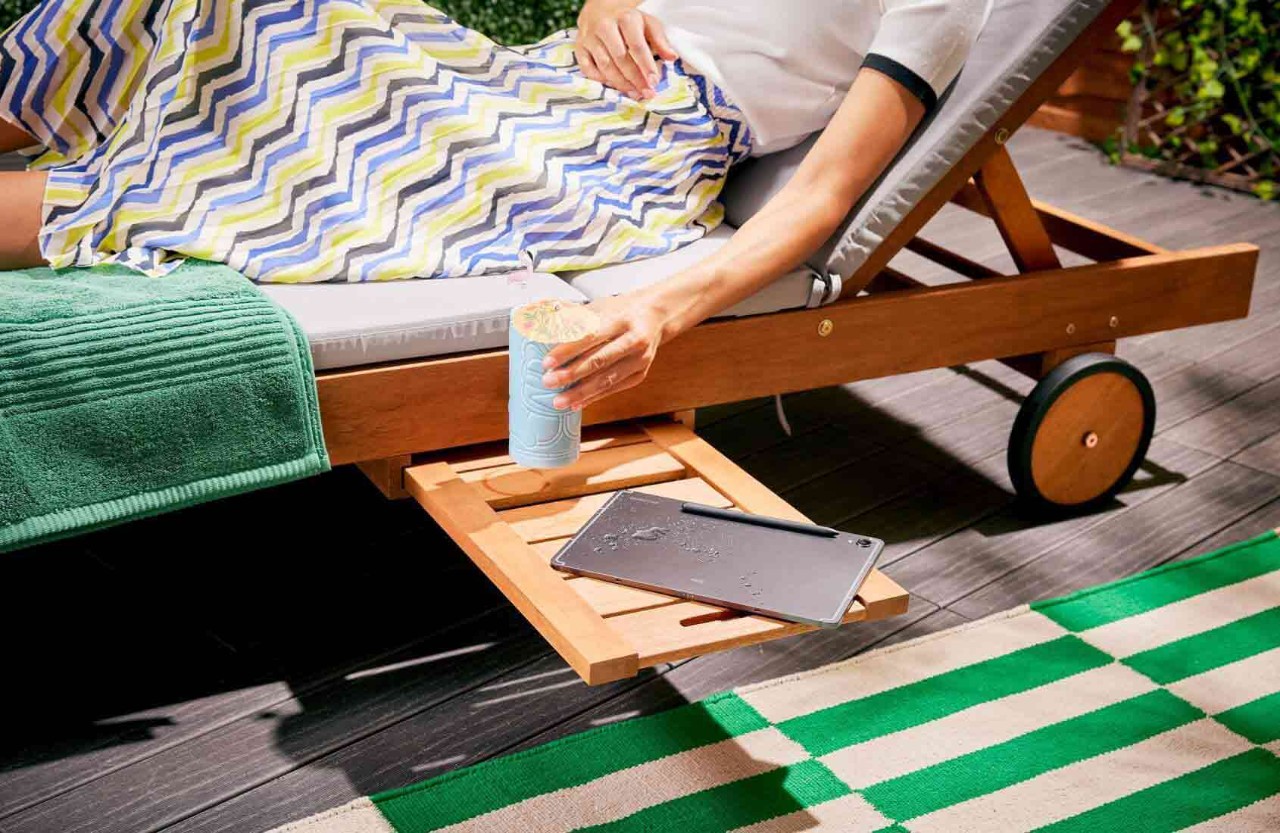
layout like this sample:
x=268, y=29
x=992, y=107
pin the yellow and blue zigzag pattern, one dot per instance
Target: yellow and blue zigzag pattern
x=349, y=140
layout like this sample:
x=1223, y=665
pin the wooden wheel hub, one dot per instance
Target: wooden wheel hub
x=1088, y=438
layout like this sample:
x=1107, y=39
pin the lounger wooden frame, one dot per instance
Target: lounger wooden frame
x=417, y=428
x=1035, y=319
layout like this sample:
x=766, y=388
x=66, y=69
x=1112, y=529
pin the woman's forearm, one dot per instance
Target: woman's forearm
x=866, y=133
x=773, y=242
x=873, y=123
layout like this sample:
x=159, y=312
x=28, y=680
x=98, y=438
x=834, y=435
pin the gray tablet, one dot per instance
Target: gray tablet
x=797, y=572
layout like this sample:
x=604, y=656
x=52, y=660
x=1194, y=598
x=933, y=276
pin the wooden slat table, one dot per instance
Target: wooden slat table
x=511, y=520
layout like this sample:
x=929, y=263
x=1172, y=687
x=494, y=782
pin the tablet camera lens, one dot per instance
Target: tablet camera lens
x=864, y=542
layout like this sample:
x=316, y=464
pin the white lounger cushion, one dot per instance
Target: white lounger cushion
x=1021, y=39
x=800, y=288
x=351, y=324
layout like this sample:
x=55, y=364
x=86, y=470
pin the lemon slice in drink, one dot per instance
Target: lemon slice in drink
x=554, y=322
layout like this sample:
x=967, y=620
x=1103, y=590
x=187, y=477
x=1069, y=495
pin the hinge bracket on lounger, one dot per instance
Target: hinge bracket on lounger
x=832, y=284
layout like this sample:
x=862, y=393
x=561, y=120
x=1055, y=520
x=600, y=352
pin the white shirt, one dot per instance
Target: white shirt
x=787, y=64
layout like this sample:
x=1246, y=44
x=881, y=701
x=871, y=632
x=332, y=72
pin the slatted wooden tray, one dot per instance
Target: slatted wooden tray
x=510, y=520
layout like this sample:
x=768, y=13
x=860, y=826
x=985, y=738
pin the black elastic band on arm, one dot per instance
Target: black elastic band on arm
x=915, y=85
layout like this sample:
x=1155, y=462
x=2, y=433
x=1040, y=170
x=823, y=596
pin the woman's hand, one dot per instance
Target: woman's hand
x=872, y=125
x=616, y=45
x=615, y=358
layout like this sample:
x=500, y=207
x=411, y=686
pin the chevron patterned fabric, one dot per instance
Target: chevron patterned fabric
x=348, y=140
x=1150, y=704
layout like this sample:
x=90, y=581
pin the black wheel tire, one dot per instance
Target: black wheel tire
x=1036, y=407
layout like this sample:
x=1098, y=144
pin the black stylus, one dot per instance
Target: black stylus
x=758, y=520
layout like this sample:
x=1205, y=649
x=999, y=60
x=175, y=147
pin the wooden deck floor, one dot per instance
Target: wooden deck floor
x=239, y=665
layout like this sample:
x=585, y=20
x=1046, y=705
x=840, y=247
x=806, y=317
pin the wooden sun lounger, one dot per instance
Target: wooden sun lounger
x=417, y=428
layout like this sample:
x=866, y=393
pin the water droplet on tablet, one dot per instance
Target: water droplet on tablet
x=649, y=533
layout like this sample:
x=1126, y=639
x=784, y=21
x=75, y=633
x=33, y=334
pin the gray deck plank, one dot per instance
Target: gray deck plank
x=514, y=711
x=54, y=735
x=1236, y=424
x=1263, y=455
x=1209, y=340
x=713, y=414
x=940, y=507
x=477, y=724
x=1194, y=390
x=505, y=714
x=1124, y=543
x=1152, y=361
x=704, y=676
x=1183, y=389
x=132, y=738
x=1264, y=519
x=750, y=431
x=978, y=555
x=1257, y=358
x=952, y=397
x=848, y=406
x=860, y=486
x=260, y=747
x=230, y=647
x=1174, y=214
x=806, y=457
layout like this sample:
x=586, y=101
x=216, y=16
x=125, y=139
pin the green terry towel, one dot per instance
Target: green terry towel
x=123, y=396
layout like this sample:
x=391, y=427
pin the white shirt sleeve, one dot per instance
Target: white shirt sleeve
x=922, y=44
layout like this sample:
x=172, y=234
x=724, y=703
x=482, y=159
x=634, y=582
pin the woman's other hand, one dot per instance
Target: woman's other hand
x=616, y=45
x=616, y=357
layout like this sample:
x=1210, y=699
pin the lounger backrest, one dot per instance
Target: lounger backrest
x=1021, y=39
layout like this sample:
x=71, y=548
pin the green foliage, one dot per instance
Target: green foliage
x=1212, y=65
x=1211, y=71
x=11, y=10
x=513, y=21
x=506, y=21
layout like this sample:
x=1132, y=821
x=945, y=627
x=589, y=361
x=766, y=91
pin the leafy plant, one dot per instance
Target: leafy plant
x=11, y=10
x=1207, y=75
x=513, y=21
x=1207, y=90
x=506, y=21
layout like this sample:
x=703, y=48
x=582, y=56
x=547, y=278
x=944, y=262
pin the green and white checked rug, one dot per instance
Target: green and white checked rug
x=1149, y=704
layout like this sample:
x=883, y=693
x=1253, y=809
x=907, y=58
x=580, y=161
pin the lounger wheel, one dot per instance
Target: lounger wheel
x=1081, y=434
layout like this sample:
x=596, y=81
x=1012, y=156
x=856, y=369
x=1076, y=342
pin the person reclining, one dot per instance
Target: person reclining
x=354, y=140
